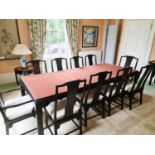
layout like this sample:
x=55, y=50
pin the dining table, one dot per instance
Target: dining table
x=42, y=87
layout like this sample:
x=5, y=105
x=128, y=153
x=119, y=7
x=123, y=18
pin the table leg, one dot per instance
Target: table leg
x=39, y=119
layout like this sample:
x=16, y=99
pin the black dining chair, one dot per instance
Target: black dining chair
x=59, y=63
x=137, y=85
x=76, y=61
x=69, y=108
x=115, y=92
x=128, y=60
x=90, y=59
x=16, y=109
x=37, y=66
x=94, y=95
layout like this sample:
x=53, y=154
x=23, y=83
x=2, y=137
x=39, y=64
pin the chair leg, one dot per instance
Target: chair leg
x=85, y=117
x=109, y=109
x=103, y=112
x=7, y=130
x=141, y=97
x=80, y=124
x=122, y=103
x=55, y=130
x=130, y=102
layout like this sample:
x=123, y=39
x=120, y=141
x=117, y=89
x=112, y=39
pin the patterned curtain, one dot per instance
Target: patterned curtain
x=72, y=26
x=37, y=30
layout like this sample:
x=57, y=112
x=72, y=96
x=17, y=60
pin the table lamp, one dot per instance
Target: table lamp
x=22, y=50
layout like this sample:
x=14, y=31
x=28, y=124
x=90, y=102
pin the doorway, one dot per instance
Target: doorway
x=136, y=40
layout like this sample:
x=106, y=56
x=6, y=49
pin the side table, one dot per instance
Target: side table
x=22, y=71
x=153, y=71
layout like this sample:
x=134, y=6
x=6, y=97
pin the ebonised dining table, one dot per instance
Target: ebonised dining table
x=41, y=87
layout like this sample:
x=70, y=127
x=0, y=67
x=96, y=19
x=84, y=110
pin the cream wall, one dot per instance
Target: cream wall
x=152, y=54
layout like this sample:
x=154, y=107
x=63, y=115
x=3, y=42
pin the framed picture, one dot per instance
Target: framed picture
x=89, y=36
x=9, y=37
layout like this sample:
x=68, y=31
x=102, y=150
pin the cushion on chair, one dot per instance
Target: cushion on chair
x=15, y=112
x=61, y=108
x=90, y=97
x=18, y=100
x=129, y=86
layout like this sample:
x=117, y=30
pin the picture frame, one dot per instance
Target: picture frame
x=9, y=37
x=89, y=36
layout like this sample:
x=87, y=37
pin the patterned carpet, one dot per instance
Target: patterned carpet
x=139, y=121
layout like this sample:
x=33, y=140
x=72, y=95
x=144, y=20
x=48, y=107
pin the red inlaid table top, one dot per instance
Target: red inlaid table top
x=43, y=85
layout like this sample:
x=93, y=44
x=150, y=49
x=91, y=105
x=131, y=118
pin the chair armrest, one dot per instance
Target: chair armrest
x=16, y=105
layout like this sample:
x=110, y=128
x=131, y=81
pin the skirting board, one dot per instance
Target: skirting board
x=7, y=78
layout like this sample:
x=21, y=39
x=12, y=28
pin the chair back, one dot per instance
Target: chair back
x=72, y=91
x=101, y=79
x=89, y=58
x=141, y=77
x=76, y=60
x=128, y=61
x=59, y=63
x=119, y=83
x=37, y=66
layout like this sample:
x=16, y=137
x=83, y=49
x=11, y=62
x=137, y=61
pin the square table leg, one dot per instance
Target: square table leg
x=39, y=119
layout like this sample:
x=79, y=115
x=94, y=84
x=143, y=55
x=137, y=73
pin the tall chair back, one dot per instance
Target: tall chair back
x=91, y=59
x=141, y=77
x=128, y=61
x=72, y=91
x=76, y=60
x=59, y=63
x=37, y=66
x=119, y=83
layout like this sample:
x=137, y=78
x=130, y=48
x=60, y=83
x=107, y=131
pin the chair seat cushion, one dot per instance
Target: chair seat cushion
x=61, y=108
x=90, y=96
x=21, y=110
x=18, y=100
x=129, y=86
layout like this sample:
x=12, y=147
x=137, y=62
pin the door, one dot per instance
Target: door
x=135, y=40
x=111, y=41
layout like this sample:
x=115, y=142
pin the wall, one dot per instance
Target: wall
x=91, y=22
x=152, y=54
x=7, y=66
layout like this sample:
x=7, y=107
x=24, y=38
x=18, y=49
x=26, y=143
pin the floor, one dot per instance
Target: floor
x=139, y=121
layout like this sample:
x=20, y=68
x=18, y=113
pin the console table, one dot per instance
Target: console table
x=22, y=71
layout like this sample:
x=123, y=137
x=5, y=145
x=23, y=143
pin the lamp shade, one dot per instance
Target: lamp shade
x=21, y=49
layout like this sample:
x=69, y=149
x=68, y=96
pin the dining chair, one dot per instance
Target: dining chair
x=75, y=61
x=129, y=61
x=137, y=85
x=91, y=59
x=94, y=96
x=37, y=66
x=69, y=108
x=16, y=109
x=59, y=63
x=115, y=93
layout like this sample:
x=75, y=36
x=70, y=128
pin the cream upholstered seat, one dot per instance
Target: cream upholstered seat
x=16, y=109
x=21, y=110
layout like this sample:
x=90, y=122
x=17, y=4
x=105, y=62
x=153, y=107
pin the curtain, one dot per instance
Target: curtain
x=37, y=31
x=72, y=26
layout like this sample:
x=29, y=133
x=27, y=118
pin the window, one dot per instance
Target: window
x=56, y=44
